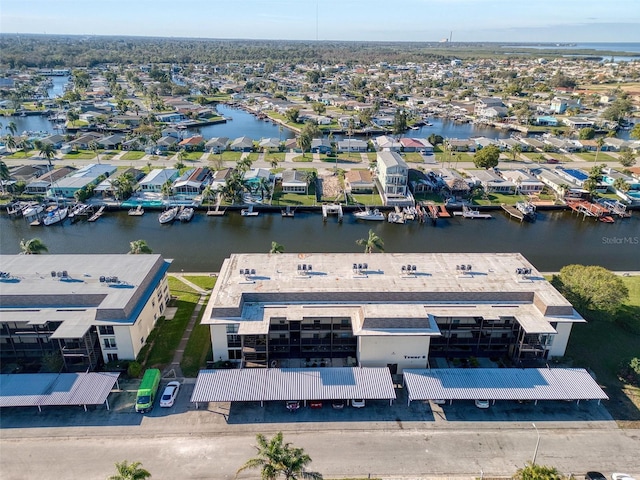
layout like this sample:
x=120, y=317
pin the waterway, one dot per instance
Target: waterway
x=556, y=239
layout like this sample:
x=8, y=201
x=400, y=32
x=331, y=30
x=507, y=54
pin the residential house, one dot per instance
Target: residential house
x=269, y=144
x=482, y=142
x=609, y=176
x=578, y=122
x=547, y=121
x=421, y=145
x=460, y=145
x=156, y=178
x=421, y=182
x=562, y=186
x=217, y=144
x=84, y=141
x=111, y=142
x=393, y=177
x=484, y=104
x=358, y=181
x=165, y=143
x=321, y=145
x=192, y=143
x=559, y=105
x=294, y=181
x=534, y=143
x=352, y=145
x=453, y=181
x=492, y=182
x=109, y=186
x=41, y=184
x=67, y=187
x=219, y=178
x=242, y=144
x=55, y=140
x=511, y=143
x=191, y=183
x=614, y=144
x=525, y=183
x=387, y=143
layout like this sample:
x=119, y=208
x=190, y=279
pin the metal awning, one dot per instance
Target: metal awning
x=502, y=384
x=37, y=389
x=271, y=384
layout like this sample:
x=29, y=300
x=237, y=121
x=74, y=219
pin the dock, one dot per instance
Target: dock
x=288, y=212
x=217, y=212
x=335, y=209
x=589, y=209
x=443, y=212
x=513, y=212
x=97, y=215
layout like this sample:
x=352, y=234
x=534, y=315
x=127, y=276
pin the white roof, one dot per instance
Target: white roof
x=272, y=384
x=502, y=384
x=36, y=389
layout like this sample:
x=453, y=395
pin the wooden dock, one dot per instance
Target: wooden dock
x=217, y=212
x=588, y=209
x=97, y=215
x=513, y=212
x=443, y=212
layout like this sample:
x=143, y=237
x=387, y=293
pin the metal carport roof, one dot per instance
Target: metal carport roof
x=269, y=384
x=37, y=389
x=502, y=384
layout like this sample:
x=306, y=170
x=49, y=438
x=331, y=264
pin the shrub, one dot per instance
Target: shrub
x=134, y=370
x=630, y=372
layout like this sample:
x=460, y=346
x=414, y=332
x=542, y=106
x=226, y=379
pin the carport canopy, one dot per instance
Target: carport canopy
x=272, y=384
x=501, y=384
x=55, y=389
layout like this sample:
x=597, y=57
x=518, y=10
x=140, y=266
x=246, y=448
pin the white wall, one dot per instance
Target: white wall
x=219, y=342
x=406, y=351
x=560, y=340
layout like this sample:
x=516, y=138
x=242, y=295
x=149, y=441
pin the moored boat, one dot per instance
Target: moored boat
x=136, y=212
x=32, y=209
x=249, y=212
x=370, y=215
x=528, y=209
x=55, y=216
x=168, y=215
x=186, y=214
x=470, y=213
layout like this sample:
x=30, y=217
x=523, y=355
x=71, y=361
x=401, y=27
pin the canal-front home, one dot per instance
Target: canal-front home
x=41, y=185
x=156, y=178
x=67, y=187
x=393, y=178
x=191, y=183
x=525, y=183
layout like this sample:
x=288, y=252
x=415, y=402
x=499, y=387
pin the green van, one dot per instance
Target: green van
x=147, y=390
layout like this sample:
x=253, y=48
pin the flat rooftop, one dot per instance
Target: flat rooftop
x=385, y=289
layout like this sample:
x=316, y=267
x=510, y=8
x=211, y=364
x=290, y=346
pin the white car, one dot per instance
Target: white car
x=483, y=404
x=169, y=395
x=621, y=476
x=357, y=403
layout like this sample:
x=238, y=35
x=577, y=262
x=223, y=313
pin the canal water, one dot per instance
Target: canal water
x=556, y=239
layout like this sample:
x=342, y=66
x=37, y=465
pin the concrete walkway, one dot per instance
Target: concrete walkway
x=179, y=353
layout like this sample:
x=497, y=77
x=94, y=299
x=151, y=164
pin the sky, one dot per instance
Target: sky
x=350, y=20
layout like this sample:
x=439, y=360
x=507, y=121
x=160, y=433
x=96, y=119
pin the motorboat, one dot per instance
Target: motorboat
x=528, y=209
x=78, y=209
x=368, y=214
x=168, y=215
x=55, y=216
x=470, y=213
x=137, y=211
x=395, y=217
x=186, y=214
x=32, y=209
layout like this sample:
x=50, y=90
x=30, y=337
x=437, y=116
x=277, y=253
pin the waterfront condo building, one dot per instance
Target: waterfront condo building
x=89, y=309
x=399, y=310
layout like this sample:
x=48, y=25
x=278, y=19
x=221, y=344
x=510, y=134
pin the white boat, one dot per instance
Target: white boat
x=528, y=209
x=470, y=213
x=395, y=217
x=32, y=209
x=137, y=211
x=186, y=214
x=248, y=212
x=368, y=214
x=78, y=209
x=168, y=216
x=55, y=216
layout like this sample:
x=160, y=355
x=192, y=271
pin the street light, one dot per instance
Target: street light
x=535, y=452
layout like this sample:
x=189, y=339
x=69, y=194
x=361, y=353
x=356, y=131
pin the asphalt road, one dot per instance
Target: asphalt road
x=399, y=441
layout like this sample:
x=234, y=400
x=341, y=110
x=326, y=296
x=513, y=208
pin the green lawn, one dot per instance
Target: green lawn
x=80, y=155
x=413, y=157
x=293, y=199
x=198, y=347
x=352, y=157
x=369, y=199
x=227, y=156
x=132, y=155
x=308, y=157
x=496, y=199
x=192, y=156
x=166, y=335
x=603, y=344
x=591, y=157
x=205, y=282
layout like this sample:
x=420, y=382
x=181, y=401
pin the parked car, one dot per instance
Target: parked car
x=594, y=476
x=552, y=160
x=337, y=404
x=621, y=476
x=293, y=405
x=357, y=403
x=315, y=403
x=483, y=404
x=169, y=395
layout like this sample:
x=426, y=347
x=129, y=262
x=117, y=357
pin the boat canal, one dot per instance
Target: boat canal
x=555, y=239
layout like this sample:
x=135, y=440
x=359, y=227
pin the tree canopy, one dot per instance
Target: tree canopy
x=592, y=287
x=537, y=472
x=35, y=246
x=130, y=471
x=487, y=157
x=275, y=458
x=139, y=247
x=371, y=243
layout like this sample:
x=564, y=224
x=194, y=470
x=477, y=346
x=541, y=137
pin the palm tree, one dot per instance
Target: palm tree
x=10, y=141
x=275, y=458
x=276, y=248
x=47, y=151
x=374, y=242
x=25, y=145
x=537, y=472
x=94, y=146
x=12, y=127
x=264, y=186
x=35, y=246
x=4, y=171
x=167, y=189
x=516, y=150
x=130, y=471
x=599, y=144
x=621, y=185
x=207, y=195
x=310, y=177
x=138, y=247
